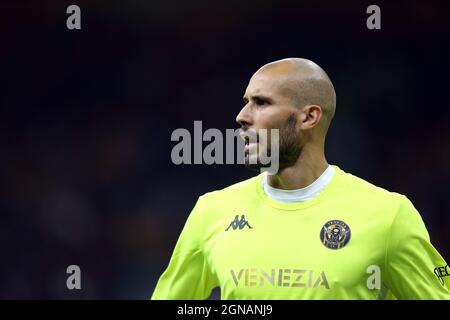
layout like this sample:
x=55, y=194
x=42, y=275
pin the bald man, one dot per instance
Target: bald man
x=309, y=230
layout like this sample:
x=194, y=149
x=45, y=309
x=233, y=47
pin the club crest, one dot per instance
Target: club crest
x=335, y=234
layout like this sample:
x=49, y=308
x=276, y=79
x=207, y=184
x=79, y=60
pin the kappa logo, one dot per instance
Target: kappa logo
x=239, y=223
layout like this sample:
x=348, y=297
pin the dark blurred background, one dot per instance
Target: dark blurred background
x=86, y=176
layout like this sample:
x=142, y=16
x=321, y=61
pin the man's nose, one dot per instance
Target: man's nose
x=244, y=118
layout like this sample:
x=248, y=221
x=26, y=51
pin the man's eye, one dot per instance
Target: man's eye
x=261, y=102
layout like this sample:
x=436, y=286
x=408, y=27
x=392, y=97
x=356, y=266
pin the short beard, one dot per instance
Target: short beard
x=290, y=147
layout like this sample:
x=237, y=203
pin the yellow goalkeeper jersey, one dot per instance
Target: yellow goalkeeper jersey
x=352, y=241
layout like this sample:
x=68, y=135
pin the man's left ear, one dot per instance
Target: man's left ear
x=311, y=116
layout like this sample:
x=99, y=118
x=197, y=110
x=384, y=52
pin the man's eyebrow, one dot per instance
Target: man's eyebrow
x=258, y=96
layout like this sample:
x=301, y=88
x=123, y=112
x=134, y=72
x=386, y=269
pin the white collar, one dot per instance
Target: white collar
x=299, y=195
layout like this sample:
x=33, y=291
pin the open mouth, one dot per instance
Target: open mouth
x=250, y=147
x=249, y=135
x=251, y=140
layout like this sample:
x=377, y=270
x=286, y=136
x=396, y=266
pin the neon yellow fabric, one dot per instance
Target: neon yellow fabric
x=254, y=247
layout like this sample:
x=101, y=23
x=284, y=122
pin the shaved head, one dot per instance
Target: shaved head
x=306, y=83
x=294, y=96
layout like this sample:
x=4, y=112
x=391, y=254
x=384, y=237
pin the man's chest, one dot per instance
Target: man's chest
x=260, y=252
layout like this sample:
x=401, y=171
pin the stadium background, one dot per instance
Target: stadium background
x=86, y=176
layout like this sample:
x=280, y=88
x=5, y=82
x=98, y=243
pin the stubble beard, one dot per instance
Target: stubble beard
x=289, y=147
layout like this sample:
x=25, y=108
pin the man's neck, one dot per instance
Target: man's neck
x=308, y=167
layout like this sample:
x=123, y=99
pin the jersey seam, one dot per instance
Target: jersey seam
x=202, y=238
x=388, y=238
x=373, y=189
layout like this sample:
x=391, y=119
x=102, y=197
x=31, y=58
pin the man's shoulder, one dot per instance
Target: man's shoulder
x=359, y=187
x=346, y=184
x=235, y=192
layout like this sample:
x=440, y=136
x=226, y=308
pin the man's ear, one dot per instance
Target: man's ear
x=311, y=116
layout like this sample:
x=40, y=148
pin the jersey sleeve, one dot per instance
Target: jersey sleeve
x=413, y=265
x=188, y=275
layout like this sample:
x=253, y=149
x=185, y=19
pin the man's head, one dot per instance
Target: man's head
x=293, y=95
